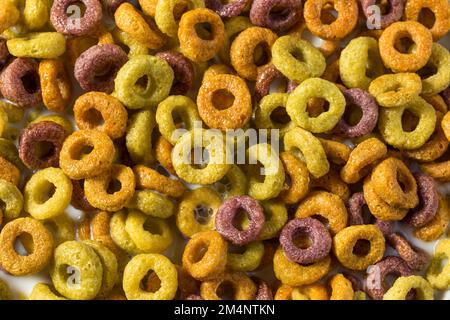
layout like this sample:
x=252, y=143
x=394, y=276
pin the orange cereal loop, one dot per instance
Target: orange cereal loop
x=361, y=159
x=78, y=165
x=336, y=152
x=147, y=178
x=100, y=231
x=313, y=291
x=341, y=288
x=436, y=227
x=9, y=172
x=333, y=183
x=235, y=116
x=163, y=153
x=201, y=48
x=215, y=70
x=341, y=27
x=55, y=85
x=242, y=287
x=297, y=186
x=445, y=124
x=245, y=46
x=102, y=112
x=131, y=21
x=405, y=62
x=284, y=292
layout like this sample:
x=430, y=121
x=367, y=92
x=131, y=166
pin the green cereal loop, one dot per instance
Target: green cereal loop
x=403, y=285
x=439, y=277
x=42, y=45
x=63, y=122
x=151, y=235
x=213, y=141
x=273, y=174
x=42, y=291
x=165, y=19
x=152, y=204
x=233, y=27
x=135, y=47
x=119, y=235
x=138, y=268
x=159, y=81
x=234, y=183
x=5, y=292
x=276, y=217
x=264, y=110
x=36, y=13
x=247, y=261
x=395, y=90
x=13, y=199
x=37, y=190
x=109, y=264
x=284, y=52
x=9, y=151
x=15, y=113
x=186, y=218
x=87, y=271
x=439, y=59
x=62, y=228
x=359, y=59
x=391, y=129
x=138, y=138
x=309, y=149
x=297, y=105
x=182, y=106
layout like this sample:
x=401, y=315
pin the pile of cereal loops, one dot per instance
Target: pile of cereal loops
x=363, y=149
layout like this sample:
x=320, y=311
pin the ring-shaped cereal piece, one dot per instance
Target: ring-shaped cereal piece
x=39, y=45
x=191, y=44
x=147, y=178
x=119, y=234
x=165, y=12
x=197, y=211
x=19, y=82
x=97, y=190
x=139, y=267
x=163, y=151
x=341, y=27
x=243, y=49
x=396, y=90
x=266, y=77
x=234, y=117
x=227, y=212
x=212, y=263
x=294, y=274
x=55, y=85
x=78, y=166
x=100, y=231
x=439, y=80
x=183, y=71
x=369, y=118
x=311, y=64
x=440, y=11
x=391, y=128
x=159, y=77
x=393, y=175
x=403, y=285
x=438, y=225
x=405, y=62
x=394, y=13
x=11, y=196
x=310, y=148
x=35, y=261
x=131, y=21
x=264, y=292
x=276, y=216
x=247, y=260
x=64, y=23
x=439, y=277
x=416, y=258
x=267, y=109
x=39, y=199
x=9, y=172
x=360, y=62
x=102, y=112
x=345, y=241
x=337, y=152
x=244, y=288
x=79, y=200
x=297, y=103
x=298, y=185
x=272, y=170
x=262, y=14
x=138, y=139
x=217, y=165
x=229, y=9
x=327, y=205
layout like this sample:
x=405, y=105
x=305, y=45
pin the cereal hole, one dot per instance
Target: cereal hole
x=427, y=17
x=76, y=8
x=24, y=244
x=44, y=150
x=142, y=83
x=404, y=44
x=151, y=282
x=262, y=54
x=353, y=114
x=114, y=186
x=199, y=157
x=93, y=118
x=361, y=248
x=30, y=81
x=328, y=15
x=223, y=186
x=301, y=240
x=226, y=290
x=152, y=227
x=241, y=219
x=316, y=106
x=279, y=13
x=402, y=182
x=204, y=31
x=203, y=214
x=199, y=252
x=83, y=151
x=384, y=5
x=280, y=116
x=46, y=192
x=222, y=99
x=409, y=121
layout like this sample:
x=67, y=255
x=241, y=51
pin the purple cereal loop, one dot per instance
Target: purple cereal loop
x=261, y=14
x=19, y=82
x=446, y=95
x=228, y=10
x=44, y=131
x=369, y=118
x=429, y=201
x=357, y=283
x=227, y=212
x=64, y=19
x=112, y=5
x=416, y=258
x=376, y=275
x=79, y=200
x=183, y=71
x=317, y=233
x=263, y=290
x=96, y=60
x=395, y=13
x=386, y=227
x=194, y=297
x=265, y=78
